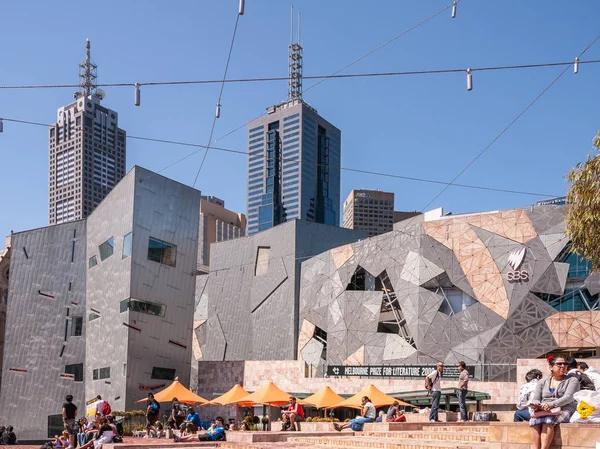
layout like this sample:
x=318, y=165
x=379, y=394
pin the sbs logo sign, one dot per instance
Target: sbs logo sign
x=515, y=259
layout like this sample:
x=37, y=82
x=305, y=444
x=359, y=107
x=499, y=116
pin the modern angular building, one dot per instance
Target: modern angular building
x=293, y=167
x=86, y=152
x=486, y=288
x=102, y=305
x=371, y=211
x=217, y=224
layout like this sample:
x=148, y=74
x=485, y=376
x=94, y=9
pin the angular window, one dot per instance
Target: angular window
x=76, y=370
x=137, y=305
x=93, y=316
x=76, y=326
x=163, y=373
x=162, y=252
x=127, y=245
x=106, y=249
x=262, y=260
x=104, y=373
x=92, y=262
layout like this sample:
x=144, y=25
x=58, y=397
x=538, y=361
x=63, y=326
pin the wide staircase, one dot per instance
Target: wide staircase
x=442, y=436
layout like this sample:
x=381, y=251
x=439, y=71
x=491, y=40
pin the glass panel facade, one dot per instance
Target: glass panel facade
x=127, y=245
x=162, y=252
x=578, y=266
x=137, y=305
x=76, y=326
x=106, y=249
x=163, y=373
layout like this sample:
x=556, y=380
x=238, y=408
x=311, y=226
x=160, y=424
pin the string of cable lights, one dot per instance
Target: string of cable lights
x=575, y=65
x=348, y=169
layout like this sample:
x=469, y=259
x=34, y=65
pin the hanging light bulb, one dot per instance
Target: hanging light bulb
x=576, y=66
x=469, y=79
x=454, y=9
x=218, y=111
x=137, y=95
x=241, y=8
x=1, y=126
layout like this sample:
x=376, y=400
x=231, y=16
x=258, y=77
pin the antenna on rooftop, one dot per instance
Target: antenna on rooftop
x=88, y=74
x=294, y=62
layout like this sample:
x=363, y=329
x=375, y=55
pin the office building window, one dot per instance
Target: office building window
x=92, y=262
x=106, y=249
x=76, y=326
x=162, y=252
x=101, y=373
x=163, y=373
x=137, y=305
x=76, y=370
x=127, y=245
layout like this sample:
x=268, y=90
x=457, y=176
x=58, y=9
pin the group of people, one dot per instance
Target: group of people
x=83, y=433
x=8, y=436
x=548, y=401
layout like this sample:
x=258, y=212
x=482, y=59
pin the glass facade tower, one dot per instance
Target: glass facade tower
x=293, y=167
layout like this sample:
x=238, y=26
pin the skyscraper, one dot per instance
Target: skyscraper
x=86, y=151
x=293, y=161
x=371, y=211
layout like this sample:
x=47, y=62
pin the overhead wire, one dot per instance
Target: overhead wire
x=216, y=116
x=506, y=128
x=348, y=169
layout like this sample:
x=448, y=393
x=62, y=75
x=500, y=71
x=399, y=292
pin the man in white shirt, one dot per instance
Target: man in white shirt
x=436, y=391
x=591, y=373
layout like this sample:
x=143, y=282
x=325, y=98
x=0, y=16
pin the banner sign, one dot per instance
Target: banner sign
x=420, y=371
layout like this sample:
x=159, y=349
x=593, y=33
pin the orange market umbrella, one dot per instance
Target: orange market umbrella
x=269, y=394
x=324, y=398
x=236, y=392
x=177, y=390
x=378, y=398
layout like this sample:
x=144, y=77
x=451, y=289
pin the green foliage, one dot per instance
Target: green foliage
x=583, y=212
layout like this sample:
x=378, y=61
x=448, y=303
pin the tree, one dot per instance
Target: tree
x=583, y=212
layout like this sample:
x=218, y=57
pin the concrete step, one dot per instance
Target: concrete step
x=356, y=442
x=483, y=428
x=428, y=435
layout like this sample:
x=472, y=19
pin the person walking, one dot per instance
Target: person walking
x=463, y=387
x=433, y=384
x=152, y=412
x=69, y=413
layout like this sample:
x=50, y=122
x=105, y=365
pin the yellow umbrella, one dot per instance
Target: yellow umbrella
x=378, y=399
x=324, y=398
x=177, y=390
x=269, y=394
x=236, y=392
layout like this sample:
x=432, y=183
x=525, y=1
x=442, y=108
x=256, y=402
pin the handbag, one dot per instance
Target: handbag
x=542, y=413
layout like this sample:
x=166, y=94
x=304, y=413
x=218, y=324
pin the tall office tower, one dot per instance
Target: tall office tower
x=217, y=224
x=293, y=161
x=87, y=151
x=371, y=211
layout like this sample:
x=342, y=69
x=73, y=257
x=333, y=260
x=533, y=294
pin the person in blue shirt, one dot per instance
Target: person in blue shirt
x=191, y=423
x=216, y=432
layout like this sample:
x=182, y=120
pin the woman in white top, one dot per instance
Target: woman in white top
x=367, y=415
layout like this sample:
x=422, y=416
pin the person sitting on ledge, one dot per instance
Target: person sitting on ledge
x=292, y=415
x=525, y=394
x=191, y=423
x=553, y=402
x=216, y=432
x=367, y=415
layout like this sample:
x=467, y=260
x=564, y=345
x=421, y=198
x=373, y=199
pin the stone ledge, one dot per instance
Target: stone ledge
x=572, y=436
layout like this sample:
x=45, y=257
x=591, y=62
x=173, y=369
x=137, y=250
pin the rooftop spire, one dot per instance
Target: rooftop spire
x=294, y=62
x=87, y=74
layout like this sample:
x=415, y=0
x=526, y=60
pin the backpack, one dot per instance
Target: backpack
x=106, y=410
x=429, y=382
x=585, y=383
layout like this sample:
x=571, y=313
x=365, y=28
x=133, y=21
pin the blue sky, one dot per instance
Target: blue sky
x=422, y=126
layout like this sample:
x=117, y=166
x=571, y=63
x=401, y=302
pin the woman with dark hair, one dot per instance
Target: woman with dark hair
x=525, y=394
x=367, y=415
x=552, y=403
